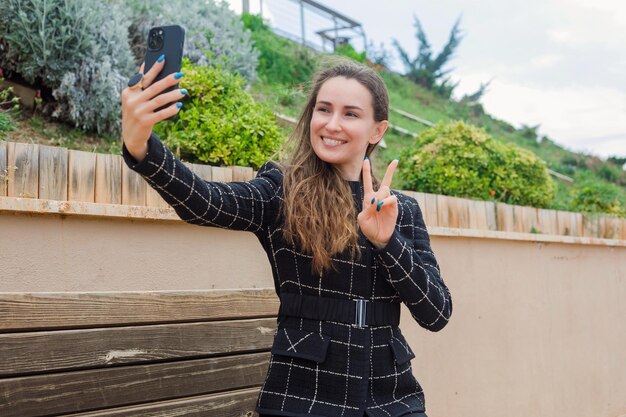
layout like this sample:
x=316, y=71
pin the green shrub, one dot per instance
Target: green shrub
x=349, y=51
x=281, y=61
x=9, y=106
x=591, y=195
x=462, y=160
x=220, y=123
x=77, y=49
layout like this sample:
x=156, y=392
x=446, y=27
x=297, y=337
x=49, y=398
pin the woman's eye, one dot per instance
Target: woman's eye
x=350, y=114
x=323, y=109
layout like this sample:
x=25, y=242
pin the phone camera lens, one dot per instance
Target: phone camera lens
x=155, y=39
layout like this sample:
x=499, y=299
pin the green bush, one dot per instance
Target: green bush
x=76, y=49
x=349, y=51
x=220, y=123
x=462, y=160
x=9, y=106
x=591, y=195
x=281, y=61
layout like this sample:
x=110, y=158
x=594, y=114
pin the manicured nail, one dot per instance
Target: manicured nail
x=379, y=205
x=183, y=91
x=179, y=105
x=178, y=75
x=373, y=199
x=161, y=58
x=366, y=158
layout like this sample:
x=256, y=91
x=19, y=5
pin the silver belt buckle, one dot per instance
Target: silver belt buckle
x=360, y=316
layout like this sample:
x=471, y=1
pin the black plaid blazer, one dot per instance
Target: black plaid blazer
x=321, y=368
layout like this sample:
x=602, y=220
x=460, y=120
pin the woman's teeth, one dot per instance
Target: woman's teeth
x=332, y=141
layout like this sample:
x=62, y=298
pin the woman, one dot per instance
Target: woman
x=344, y=250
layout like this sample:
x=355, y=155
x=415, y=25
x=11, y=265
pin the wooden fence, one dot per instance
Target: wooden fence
x=53, y=173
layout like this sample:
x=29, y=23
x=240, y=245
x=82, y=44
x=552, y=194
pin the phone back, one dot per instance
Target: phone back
x=168, y=41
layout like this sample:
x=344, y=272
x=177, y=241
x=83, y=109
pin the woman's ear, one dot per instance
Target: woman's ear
x=379, y=131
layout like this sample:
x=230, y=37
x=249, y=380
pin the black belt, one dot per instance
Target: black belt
x=358, y=312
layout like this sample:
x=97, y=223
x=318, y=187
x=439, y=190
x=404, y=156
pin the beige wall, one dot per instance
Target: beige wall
x=538, y=329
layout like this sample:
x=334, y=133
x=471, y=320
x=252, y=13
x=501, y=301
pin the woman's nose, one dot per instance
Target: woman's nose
x=333, y=123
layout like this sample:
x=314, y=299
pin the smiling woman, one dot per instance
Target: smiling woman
x=345, y=250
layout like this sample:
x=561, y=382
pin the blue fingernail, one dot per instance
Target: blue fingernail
x=161, y=58
x=183, y=91
x=373, y=199
x=366, y=158
x=378, y=205
x=179, y=105
x=178, y=75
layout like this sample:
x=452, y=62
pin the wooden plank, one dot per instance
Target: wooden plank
x=39, y=352
x=70, y=392
x=242, y=173
x=23, y=170
x=526, y=220
x=477, y=211
x=53, y=170
x=590, y=225
x=460, y=206
x=203, y=171
x=548, y=221
x=154, y=199
x=240, y=403
x=134, y=187
x=221, y=174
x=490, y=210
x=566, y=223
x=505, y=217
x=108, y=179
x=4, y=173
x=71, y=310
x=430, y=213
x=82, y=176
x=421, y=201
x=611, y=229
x=442, y=211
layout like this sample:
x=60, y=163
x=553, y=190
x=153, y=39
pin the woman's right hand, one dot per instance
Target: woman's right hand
x=138, y=105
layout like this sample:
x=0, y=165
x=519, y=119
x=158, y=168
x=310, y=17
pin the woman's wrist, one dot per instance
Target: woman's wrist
x=138, y=152
x=379, y=245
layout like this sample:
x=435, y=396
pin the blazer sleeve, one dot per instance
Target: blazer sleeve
x=249, y=205
x=409, y=265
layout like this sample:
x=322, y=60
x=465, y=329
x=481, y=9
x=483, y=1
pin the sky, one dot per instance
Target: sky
x=559, y=64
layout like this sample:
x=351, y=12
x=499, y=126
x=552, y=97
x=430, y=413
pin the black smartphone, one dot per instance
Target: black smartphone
x=168, y=41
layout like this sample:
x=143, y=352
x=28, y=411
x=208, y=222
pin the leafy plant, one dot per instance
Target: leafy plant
x=220, y=123
x=348, y=50
x=597, y=196
x=78, y=50
x=214, y=34
x=9, y=106
x=462, y=160
x=281, y=61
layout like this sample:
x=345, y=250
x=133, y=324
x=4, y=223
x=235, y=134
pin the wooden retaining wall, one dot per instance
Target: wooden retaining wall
x=53, y=173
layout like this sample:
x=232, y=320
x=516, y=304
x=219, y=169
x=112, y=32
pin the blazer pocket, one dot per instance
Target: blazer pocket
x=401, y=350
x=301, y=344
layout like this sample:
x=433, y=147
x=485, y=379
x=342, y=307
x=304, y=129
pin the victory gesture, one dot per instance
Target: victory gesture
x=380, y=208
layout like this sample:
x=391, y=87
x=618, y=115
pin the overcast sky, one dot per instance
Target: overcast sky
x=560, y=64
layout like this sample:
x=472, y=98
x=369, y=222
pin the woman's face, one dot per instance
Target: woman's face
x=343, y=125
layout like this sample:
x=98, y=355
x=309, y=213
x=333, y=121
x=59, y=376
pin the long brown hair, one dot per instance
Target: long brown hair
x=318, y=209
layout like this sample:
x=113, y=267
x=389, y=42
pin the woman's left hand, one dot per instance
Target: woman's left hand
x=378, y=218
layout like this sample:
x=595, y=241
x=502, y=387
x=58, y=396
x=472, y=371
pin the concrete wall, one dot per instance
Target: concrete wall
x=538, y=329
